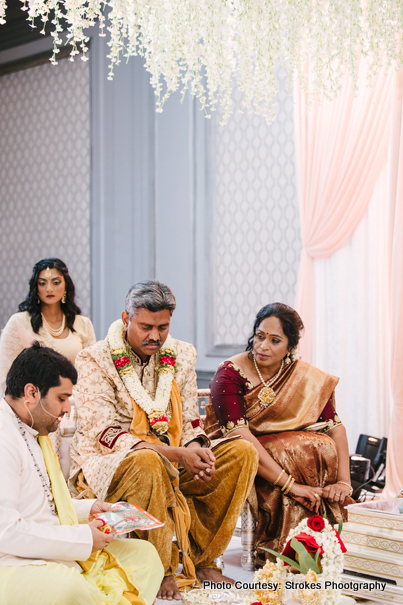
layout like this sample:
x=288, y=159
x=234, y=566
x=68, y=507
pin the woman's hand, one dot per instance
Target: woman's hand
x=336, y=492
x=309, y=496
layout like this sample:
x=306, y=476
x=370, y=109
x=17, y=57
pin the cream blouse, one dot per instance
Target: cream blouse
x=18, y=334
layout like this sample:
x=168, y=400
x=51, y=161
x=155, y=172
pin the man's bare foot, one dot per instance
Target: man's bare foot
x=212, y=575
x=169, y=589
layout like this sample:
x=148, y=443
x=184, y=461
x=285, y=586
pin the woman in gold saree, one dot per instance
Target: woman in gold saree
x=286, y=408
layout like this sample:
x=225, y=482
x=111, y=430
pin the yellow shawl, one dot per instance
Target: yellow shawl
x=102, y=569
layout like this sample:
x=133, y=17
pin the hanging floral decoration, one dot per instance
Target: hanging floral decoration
x=210, y=46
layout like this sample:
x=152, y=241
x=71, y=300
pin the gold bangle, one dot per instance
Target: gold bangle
x=287, y=491
x=286, y=483
x=278, y=478
x=348, y=485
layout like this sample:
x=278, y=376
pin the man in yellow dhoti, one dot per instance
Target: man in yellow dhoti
x=138, y=421
x=46, y=557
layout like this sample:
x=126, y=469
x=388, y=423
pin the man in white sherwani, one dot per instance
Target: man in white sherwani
x=43, y=549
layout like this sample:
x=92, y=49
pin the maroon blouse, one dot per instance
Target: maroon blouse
x=228, y=388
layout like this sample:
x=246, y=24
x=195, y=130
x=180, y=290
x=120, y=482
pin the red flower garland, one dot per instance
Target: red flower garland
x=120, y=362
x=160, y=419
x=167, y=360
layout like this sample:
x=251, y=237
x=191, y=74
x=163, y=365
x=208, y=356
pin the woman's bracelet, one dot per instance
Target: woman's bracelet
x=286, y=483
x=347, y=485
x=279, y=477
x=290, y=486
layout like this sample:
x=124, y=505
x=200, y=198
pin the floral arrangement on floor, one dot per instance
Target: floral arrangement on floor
x=209, y=46
x=156, y=410
x=313, y=547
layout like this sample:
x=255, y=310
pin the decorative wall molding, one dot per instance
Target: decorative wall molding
x=44, y=177
x=255, y=243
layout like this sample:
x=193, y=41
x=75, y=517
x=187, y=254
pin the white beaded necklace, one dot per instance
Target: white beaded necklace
x=266, y=394
x=45, y=484
x=51, y=330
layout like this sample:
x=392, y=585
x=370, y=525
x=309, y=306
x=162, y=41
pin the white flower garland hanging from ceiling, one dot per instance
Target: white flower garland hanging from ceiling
x=210, y=46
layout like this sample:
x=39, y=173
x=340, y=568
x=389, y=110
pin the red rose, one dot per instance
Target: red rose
x=257, y=603
x=343, y=548
x=316, y=522
x=309, y=542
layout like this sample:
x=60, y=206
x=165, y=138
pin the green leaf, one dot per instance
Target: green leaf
x=306, y=561
x=282, y=557
x=340, y=526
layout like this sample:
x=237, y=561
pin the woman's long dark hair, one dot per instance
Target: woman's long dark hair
x=290, y=322
x=31, y=303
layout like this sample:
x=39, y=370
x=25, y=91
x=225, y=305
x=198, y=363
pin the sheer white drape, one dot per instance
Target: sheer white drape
x=357, y=308
x=394, y=463
x=351, y=336
x=341, y=146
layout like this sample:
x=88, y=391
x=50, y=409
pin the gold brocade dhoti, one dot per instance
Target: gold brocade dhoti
x=214, y=506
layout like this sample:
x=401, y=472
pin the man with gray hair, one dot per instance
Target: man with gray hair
x=139, y=439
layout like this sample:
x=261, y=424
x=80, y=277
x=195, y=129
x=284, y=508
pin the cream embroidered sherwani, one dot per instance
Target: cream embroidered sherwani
x=102, y=454
x=105, y=412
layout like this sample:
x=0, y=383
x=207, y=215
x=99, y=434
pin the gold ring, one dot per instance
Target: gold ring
x=316, y=496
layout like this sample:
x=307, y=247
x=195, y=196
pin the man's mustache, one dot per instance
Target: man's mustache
x=151, y=342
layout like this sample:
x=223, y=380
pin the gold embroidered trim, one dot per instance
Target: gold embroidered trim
x=239, y=372
x=331, y=424
x=110, y=435
x=232, y=426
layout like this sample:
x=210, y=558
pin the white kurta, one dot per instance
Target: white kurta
x=29, y=533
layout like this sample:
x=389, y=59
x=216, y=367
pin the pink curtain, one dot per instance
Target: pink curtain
x=340, y=149
x=394, y=467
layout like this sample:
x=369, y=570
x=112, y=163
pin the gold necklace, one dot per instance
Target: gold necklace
x=266, y=394
x=51, y=330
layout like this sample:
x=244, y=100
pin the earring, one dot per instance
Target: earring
x=294, y=355
x=287, y=358
x=64, y=298
x=39, y=301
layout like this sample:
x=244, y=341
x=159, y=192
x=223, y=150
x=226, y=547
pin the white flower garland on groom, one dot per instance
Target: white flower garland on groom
x=156, y=410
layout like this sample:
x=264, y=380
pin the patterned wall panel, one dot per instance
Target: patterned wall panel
x=255, y=241
x=44, y=177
